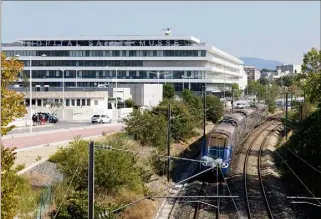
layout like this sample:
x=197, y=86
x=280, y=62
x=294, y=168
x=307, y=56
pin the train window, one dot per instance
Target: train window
x=217, y=142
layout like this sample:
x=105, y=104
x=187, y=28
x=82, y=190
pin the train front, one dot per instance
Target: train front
x=216, y=152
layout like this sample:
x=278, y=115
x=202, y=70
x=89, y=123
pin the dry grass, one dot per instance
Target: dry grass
x=142, y=210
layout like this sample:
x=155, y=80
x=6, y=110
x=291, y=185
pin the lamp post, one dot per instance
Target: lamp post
x=189, y=81
x=158, y=73
x=63, y=93
x=116, y=93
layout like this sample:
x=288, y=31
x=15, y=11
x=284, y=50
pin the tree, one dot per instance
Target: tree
x=129, y=103
x=236, y=90
x=168, y=91
x=147, y=128
x=214, y=108
x=182, y=122
x=53, y=106
x=287, y=81
x=11, y=101
x=25, y=82
x=194, y=104
x=264, y=81
x=311, y=74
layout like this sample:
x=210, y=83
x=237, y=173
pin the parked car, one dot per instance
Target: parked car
x=100, y=119
x=240, y=106
x=49, y=117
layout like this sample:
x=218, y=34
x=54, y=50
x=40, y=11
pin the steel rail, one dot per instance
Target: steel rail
x=267, y=205
x=259, y=132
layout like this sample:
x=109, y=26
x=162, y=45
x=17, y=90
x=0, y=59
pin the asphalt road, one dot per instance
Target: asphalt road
x=59, y=125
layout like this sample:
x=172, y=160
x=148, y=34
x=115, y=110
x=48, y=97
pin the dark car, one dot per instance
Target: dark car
x=49, y=117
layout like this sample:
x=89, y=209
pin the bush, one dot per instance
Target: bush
x=182, y=122
x=168, y=91
x=214, y=108
x=114, y=170
x=129, y=103
x=147, y=128
x=194, y=104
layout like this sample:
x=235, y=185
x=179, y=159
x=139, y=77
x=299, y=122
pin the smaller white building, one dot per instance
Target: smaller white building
x=121, y=93
x=283, y=70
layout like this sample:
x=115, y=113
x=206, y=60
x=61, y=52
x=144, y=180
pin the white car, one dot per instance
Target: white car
x=240, y=106
x=100, y=119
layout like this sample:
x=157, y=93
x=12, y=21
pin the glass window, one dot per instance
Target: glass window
x=73, y=102
x=96, y=102
x=88, y=102
x=83, y=102
x=67, y=102
x=78, y=102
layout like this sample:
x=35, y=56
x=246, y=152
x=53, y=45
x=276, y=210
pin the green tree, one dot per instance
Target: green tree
x=214, y=108
x=11, y=101
x=168, y=91
x=13, y=187
x=147, y=128
x=194, y=104
x=129, y=103
x=287, y=81
x=236, y=90
x=264, y=81
x=182, y=122
x=25, y=82
x=311, y=75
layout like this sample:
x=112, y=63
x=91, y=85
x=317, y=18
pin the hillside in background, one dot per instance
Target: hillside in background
x=260, y=63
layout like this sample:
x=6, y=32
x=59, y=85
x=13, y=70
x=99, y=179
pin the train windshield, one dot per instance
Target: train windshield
x=216, y=146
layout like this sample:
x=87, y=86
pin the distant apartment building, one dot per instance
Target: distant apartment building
x=289, y=69
x=286, y=69
x=253, y=74
x=268, y=75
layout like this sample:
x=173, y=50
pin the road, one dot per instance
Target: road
x=50, y=126
x=52, y=136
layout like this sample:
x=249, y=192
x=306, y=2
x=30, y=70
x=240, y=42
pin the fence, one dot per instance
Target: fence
x=45, y=202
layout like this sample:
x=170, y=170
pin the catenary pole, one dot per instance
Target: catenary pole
x=169, y=142
x=0, y=102
x=204, y=113
x=91, y=164
x=286, y=115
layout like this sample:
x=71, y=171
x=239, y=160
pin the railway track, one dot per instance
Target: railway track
x=252, y=164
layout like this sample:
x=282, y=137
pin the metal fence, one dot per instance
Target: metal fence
x=44, y=203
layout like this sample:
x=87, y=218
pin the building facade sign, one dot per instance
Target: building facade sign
x=107, y=43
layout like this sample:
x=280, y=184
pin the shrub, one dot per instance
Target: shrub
x=168, y=91
x=214, y=108
x=129, y=103
x=147, y=128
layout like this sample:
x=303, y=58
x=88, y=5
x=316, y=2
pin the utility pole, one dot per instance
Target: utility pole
x=91, y=164
x=286, y=115
x=232, y=100
x=169, y=142
x=204, y=114
x=301, y=117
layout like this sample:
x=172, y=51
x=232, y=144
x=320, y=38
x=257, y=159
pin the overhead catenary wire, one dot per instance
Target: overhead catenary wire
x=237, y=210
x=306, y=162
x=67, y=191
x=297, y=177
x=107, y=147
x=151, y=196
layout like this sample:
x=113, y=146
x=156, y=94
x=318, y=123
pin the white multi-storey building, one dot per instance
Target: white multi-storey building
x=83, y=62
x=283, y=70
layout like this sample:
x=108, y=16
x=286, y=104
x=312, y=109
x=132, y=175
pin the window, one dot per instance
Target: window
x=83, y=102
x=78, y=102
x=88, y=102
x=96, y=102
x=67, y=102
x=73, y=102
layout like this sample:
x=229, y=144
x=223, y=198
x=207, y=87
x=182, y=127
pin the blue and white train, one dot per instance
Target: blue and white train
x=226, y=136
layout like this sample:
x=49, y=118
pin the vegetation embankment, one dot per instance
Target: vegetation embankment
x=123, y=177
x=302, y=152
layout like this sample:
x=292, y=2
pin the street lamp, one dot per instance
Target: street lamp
x=116, y=68
x=63, y=93
x=158, y=73
x=189, y=82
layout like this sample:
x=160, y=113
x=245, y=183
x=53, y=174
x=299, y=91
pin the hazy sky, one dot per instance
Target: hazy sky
x=281, y=31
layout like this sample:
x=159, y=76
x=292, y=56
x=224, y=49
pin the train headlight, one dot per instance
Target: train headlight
x=225, y=165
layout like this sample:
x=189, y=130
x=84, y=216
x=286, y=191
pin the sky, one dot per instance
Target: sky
x=275, y=30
